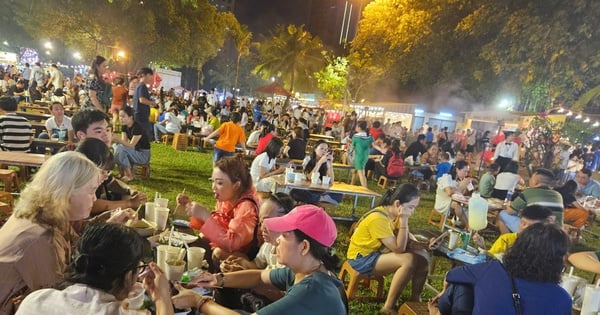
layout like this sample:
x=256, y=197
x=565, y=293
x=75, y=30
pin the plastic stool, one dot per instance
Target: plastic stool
x=355, y=279
x=10, y=179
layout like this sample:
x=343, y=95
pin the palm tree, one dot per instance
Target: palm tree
x=290, y=53
x=243, y=42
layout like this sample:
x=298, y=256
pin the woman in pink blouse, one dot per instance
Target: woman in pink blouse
x=232, y=227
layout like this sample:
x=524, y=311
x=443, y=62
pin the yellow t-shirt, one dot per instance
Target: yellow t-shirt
x=504, y=242
x=368, y=234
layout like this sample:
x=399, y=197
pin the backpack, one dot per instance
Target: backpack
x=395, y=167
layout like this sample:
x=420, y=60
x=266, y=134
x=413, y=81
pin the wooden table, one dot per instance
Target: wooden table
x=336, y=187
x=320, y=137
x=48, y=143
x=22, y=159
x=34, y=116
x=339, y=166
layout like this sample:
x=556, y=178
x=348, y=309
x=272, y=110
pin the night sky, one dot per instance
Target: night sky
x=262, y=16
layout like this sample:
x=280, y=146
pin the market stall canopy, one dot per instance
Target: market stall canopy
x=273, y=88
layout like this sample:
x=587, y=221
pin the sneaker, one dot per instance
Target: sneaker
x=328, y=199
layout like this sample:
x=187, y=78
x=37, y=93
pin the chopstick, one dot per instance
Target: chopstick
x=134, y=215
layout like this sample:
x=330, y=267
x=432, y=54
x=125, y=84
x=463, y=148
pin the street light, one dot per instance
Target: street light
x=48, y=45
x=77, y=55
x=121, y=54
x=5, y=43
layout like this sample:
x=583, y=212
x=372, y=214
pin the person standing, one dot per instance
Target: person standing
x=98, y=94
x=27, y=75
x=142, y=101
x=56, y=78
x=506, y=151
x=119, y=99
x=361, y=142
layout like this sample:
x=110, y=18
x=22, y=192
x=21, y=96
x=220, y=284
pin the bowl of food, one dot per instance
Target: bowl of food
x=143, y=228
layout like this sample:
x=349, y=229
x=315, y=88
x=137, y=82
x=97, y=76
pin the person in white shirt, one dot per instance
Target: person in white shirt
x=507, y=180
x=211, y=98
x=58, y=126
x=170, y=125
x=506, y=151
x=263, y=167
x=99, y=283
x=56, y=78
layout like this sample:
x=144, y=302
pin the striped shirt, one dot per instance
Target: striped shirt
x=15, y=132
x=541, y=196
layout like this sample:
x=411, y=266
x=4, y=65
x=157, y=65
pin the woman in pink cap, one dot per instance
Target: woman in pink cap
x=304, y=247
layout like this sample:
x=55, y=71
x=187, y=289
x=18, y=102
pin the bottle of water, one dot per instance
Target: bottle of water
x=418, y=158
x=509, y=196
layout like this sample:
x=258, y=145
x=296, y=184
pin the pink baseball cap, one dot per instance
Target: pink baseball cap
x=310, y=219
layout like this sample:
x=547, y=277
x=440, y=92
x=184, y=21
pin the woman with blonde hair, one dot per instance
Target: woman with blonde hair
x=36, y=241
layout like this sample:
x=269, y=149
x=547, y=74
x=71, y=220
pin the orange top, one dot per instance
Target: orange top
x=230, y=134
x=119, y=95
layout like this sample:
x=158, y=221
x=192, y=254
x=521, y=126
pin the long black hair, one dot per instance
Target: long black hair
x=105, y=254
x=98, y=152
x=403, y=193
x=95, y=68
x=313, y=160
x=326, y=255
x=273, y=148
x=538, y=254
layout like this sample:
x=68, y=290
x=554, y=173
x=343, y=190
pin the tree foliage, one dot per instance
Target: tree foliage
x=173, y=33
x=538, y=50
x=292, y=54
x=332, y=79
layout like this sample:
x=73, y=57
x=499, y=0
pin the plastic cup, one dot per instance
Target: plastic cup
x=162, y=202
x=326, y=180
x=161, y=215
x=591, y=300
x=136, y=297
x=149, y=213
x=569, y=283
x=298, y=178
x=174, y=269
x=195, y=257
x=290, y=176
x=452, y=240
x=164, y=253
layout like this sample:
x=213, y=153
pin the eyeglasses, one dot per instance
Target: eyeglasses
x=141, y=269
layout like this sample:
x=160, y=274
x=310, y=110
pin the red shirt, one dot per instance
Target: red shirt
x=262, y=143
x=375, y=133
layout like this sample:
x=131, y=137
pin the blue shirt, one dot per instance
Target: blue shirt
x=442, y=168
x=317, y=294
x=493, y=291
x=429, y=137
x=591, y=189
x=141, y=111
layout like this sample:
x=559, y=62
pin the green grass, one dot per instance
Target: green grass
x=172, y=171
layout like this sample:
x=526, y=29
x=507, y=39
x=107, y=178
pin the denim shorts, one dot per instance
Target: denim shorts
x=218, y=154
x=366, y=264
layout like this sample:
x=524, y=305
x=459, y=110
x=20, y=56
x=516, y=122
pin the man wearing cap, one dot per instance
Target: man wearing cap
x=307, y=234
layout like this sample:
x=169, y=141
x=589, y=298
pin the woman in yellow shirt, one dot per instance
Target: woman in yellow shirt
x=376, y=250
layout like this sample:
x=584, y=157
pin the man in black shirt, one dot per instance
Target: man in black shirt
x=416, y=147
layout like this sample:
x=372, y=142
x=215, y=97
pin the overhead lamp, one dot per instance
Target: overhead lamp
x=560, y=110
x=586, y=120
x=419, y=111
x=445, y=114
x=578, y=116
x=596, y=124
x=570, y=113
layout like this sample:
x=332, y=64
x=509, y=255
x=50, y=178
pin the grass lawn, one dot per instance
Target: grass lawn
x=172, y=171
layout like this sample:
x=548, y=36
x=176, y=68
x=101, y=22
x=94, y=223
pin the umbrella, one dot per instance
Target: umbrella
x=273, y=88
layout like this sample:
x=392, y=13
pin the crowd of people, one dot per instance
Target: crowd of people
x=67, y=239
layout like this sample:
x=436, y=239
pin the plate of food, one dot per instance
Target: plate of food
x=143, y=228
x=177, y=238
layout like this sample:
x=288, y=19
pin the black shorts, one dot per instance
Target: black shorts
x=470, y=148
